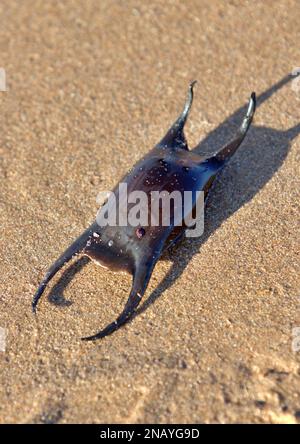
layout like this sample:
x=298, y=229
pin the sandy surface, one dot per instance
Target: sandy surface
x=92, y=86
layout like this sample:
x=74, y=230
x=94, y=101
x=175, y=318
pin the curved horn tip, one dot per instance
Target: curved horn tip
x=90, y=338
x=37, y=297
x=192, y=84
x=252, y=104
x=105, y=332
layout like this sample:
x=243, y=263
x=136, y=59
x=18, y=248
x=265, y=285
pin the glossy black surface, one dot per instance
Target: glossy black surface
x=169, y=166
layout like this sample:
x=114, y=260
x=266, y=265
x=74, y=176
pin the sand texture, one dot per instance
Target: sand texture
x=91, y=87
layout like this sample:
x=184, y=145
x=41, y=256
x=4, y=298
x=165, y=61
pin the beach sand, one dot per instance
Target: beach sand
x=91, y=87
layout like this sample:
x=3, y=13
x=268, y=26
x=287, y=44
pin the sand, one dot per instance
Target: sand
x=91, y=87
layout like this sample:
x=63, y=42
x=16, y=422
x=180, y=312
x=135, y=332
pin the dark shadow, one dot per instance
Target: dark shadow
x=56, y=295
x=261, y=154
